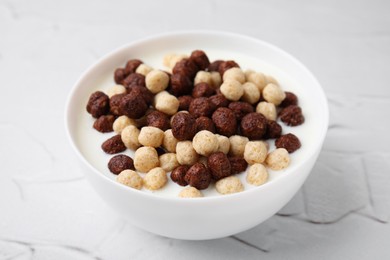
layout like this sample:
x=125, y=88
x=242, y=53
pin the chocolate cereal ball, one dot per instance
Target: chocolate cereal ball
x=120, y=163
x=214, y=66
x=225, y=121
x=219, y=100
x=177, y=175
x=288, y=141
x=225, y=65
x=240, y=109
x=183, y=126
x=143, y=92
x=200, y=59
x=204, y=123
x=290, y=99
x=115, y=102
x=274, y=130
x=104, y=123
x=219, y=165
x=181, y=84
x=119, y=75
x=201, y=107
x=238, y=164
x=198, y=176
x=253, y=126
x=184, y=102
x=145, y=159
x=113, y=145
x=98, y=104
x=202, y=89
x=133, y=106
x=292, y=115
x=186, y=67
x=132, y=65
x=133, y=79
x=158, y=119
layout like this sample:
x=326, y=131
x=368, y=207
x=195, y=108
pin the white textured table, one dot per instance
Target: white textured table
x=49, y=211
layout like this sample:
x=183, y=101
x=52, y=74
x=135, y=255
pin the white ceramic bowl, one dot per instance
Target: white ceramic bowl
x=214, y=216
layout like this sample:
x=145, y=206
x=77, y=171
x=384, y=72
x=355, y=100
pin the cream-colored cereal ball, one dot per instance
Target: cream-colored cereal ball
x=237, y=145
x=168, y=161
x=267, y=109
x=143, y=69
x=271, y=79
x=185, y=153
x=223, y=143
x=115, y=90
x=257, y=174
x=234, y=73
x=205, y=143
x=169, y=141
x=155, y=179
x=229, y=185
x=190, y=192
x=156, y=81
x=216, y=79
x=251, y=93
x=151, y=136
x=166, y=103
x=232, y=89
x=129, y=136
x=170, y=60
x=256, y=78
x=130, y=178
x=278, y=159
x=255, y=152
x=145, y=159
x=121, y=122
x=203, y=76
x=273, y=94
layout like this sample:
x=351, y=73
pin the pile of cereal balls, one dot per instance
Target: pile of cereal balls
x=202, y=122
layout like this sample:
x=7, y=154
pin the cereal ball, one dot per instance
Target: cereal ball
x=219, y=100
x=158, y=119
x=130, y=178
x=184, y=102
x=232, y=89
x=238, y=164
x=183, y=126
x=134, y=79
x=240, y=109
x=203, y=159
x=170, y=60
x=190, y=192
x=266, y=109
x=129, y=136
x=273, y=94
x=255, y=152
x=216, y=79
x=119, y=75
x=205, y=143
x=200, y=59
x=132, y=65
x=257, y=174
x=177, y=175
x=116, y=89
x=115, y=102
x=225, y=121
x=274, y=130
x=223, y=143
x=156, y=81
x=290, y=99
x=151, y=136
x=120, y=163
x=225, y=65
x=142, y=92
x=202, y=89
x=104, y=123
x=292, y=115
x=186, y=67
x=185, y=153
x=251, y=93
x=133, y=106
x=270, y=79
x=169, y=141
x=181, y=84
x=145, y=159
x=201, y=107
x=204, y=123
x=289, y=142
x=113, y=145
x=237, y=145
x=98, y=104
x=203, y=76
x=121, y=122
x=253, y=126
x=256, y=78
x=168, y=161
x=198, y=176
x=234, y=74
x=166, y=103
x=143, y=69
x=219, y=165
x=229, y=185
x=278, y=159
x=214, y=66
x=155, y=179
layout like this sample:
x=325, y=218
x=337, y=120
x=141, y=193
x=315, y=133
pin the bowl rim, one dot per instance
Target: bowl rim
x=211, y=199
